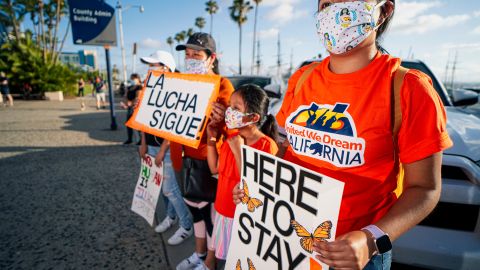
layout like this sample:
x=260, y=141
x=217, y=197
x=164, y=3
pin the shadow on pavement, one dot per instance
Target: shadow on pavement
x=97, y=125
x=69, y=208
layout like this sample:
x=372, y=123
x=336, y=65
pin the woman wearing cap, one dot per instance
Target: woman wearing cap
x=350, y=101
x=160, y=148
x=201, y=58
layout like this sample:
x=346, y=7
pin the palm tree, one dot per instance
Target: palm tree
x=238, y=13
x=189, y=32
x=211, y=8
x=257, y=2
x=170, y=43
x=200, y=23
x=180, y=37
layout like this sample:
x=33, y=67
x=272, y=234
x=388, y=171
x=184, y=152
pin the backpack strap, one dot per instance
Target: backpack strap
x=304, y=77
x=396, y=120
x=396, y=99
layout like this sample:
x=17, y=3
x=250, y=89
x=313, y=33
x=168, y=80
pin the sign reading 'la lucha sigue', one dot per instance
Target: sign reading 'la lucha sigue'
x=175, y=106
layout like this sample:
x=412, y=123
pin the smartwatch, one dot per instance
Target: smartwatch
x=380, y=238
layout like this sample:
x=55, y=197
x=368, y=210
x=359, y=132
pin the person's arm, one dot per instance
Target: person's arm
x=422, y=186
x=212, y=154
x=142, y=149
x=236, y=143
x=161, y=153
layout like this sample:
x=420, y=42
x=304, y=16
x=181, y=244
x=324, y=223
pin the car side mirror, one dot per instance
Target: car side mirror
x=273, y=90
x=463, y=97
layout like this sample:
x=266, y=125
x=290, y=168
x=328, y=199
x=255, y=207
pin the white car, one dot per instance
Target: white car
x=449, y=238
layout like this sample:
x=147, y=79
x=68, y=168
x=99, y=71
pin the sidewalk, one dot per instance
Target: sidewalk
x=66, y=186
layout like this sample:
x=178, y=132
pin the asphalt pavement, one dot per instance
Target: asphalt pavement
x=66, y=187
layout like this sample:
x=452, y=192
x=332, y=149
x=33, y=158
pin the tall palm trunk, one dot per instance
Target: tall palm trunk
x=42, y=30
x=211, y=24
x=61, y=45
x=14, y=20
x=240, y=50
x=57, y=22
x=254, y=38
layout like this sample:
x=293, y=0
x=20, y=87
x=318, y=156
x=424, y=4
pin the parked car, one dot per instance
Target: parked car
x=449, y=238
x=273, y=87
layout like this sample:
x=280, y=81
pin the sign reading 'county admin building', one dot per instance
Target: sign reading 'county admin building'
x=93, y=22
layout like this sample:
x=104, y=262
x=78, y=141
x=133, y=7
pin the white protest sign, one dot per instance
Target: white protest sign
x=286, y=208
x=175, y=106
x=147, y=190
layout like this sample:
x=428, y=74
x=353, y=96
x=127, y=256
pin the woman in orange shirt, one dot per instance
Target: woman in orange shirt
x=201, y=58
x=346, y=100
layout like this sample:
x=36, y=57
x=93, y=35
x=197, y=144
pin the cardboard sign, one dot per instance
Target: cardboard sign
x=175, y=106
x=147, y=190
x=285, y=208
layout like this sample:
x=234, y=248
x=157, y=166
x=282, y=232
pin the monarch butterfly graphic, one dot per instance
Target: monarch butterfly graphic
x=322, y=232
x=250, y=265
x=251, y=203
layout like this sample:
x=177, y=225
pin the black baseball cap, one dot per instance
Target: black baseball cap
x=199, y=41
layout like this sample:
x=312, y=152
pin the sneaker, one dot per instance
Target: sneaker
x=180, y=235
x=166, y=224
x=127, y=142
x=190, y=262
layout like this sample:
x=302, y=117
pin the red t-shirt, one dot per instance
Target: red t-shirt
x=340, y=125
x=229, y=175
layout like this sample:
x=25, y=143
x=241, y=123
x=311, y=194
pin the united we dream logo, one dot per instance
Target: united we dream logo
x=327, y=133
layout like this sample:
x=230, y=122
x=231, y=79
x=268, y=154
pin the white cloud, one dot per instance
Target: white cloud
x=412, y=17
x=463, y=46
x=283, y=11
x=151, y=43
x=476, y=30
x=268, y=33
x=476, y=13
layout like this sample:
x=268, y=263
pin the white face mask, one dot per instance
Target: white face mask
x=194, y=66
x=342, y=26
x=236, y=119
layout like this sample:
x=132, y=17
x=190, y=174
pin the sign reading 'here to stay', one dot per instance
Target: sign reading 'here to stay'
x=286, y=209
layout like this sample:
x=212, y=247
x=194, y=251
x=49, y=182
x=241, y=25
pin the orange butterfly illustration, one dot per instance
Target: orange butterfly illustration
x=250, y=265
x=322, y=232
x=251, y=203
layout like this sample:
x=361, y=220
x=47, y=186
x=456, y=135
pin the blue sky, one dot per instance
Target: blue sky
x=428, y=30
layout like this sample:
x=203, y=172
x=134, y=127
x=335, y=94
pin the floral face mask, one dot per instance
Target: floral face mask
x=236, y=119
x=342, y=26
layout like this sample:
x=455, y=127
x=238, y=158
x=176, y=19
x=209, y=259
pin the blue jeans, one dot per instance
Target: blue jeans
x=171, y=191
x=379, y=262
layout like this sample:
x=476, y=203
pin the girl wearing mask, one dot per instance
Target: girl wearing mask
x=201, y=58
x=350, y=97
x=248, y=112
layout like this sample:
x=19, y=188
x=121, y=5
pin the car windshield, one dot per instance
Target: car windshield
x=423, y=68
x=239, y=81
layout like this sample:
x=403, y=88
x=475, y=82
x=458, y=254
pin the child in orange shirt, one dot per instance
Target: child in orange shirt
x=248, y=113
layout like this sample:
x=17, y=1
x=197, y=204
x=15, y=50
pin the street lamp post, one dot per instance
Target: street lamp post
x=122, y=45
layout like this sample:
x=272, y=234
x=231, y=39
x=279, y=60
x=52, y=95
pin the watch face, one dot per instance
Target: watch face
x=383, y=244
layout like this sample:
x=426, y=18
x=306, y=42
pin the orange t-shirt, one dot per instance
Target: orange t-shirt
x=226, y=90
x=340, y=125
x=229, y=175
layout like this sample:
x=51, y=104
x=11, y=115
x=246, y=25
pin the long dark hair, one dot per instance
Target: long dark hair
x=256, y=101
x=383, y=28
x=215, y=68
